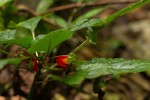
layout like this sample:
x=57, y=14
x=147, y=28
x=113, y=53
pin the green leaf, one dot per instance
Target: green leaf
x=101, y=66
x=3, y=2
x=50, y=41
x=44, y=5
x=30, y=24
x=7, y=35
x=76, y=78
x=24, y=42
x=90, y=13
x=38, y=38
x=14, y=61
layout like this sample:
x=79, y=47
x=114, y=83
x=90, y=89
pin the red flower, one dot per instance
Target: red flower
x=62, y=61
x=35, y=65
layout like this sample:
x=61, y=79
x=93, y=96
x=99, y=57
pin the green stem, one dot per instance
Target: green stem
x=81, y=45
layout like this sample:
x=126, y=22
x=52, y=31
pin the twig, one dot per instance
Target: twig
x=75, y=5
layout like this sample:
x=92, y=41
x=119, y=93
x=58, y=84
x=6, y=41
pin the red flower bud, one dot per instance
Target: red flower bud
x=35, y=65
x=62, y=61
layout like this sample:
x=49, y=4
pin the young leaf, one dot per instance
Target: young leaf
x=14, y=61
x=3, y=2
x=30, y=24
x=50, y=41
